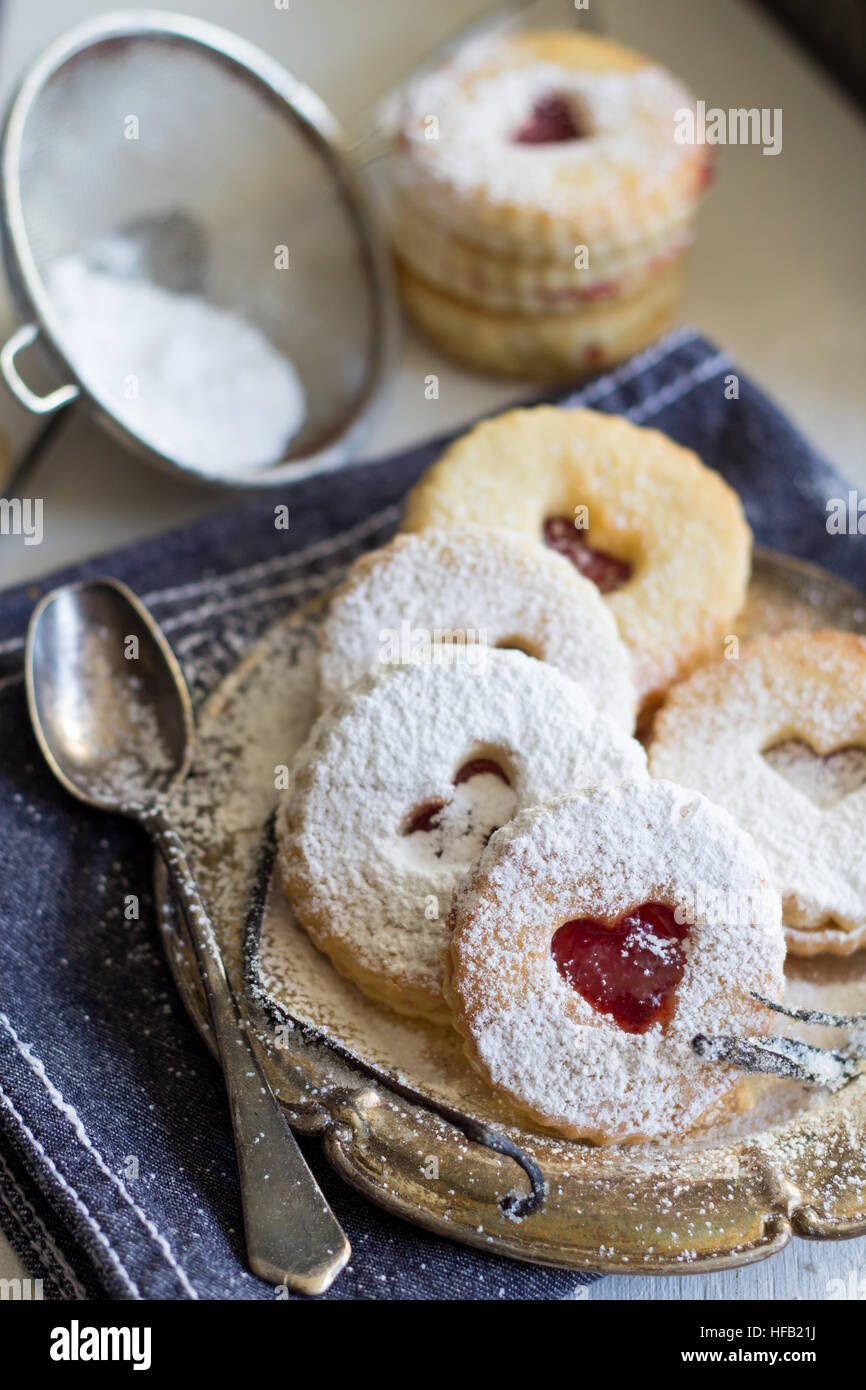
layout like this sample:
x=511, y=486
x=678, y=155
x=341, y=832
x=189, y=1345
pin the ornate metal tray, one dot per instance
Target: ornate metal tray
x=793, y=1164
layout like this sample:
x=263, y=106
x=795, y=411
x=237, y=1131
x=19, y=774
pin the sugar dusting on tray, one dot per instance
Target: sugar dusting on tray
x=197, y=381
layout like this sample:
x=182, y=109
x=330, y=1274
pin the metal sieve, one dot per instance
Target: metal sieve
x=232, y=182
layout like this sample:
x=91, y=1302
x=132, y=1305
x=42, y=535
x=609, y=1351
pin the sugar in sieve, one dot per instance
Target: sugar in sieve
x=171, y=195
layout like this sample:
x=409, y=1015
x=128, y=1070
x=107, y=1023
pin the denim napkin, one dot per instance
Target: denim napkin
x=117, y=1174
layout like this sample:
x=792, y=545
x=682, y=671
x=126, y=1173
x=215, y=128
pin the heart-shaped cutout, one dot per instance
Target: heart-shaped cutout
x=628, y=970
x=605, y=571
x=826, y=779
x=460, y=827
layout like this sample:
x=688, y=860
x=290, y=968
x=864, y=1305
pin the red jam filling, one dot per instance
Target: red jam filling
x=551, y=121
x=426, y=817
x=629, y=970
x=605, y=571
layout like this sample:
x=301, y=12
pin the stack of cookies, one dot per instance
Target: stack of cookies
x=541, y=204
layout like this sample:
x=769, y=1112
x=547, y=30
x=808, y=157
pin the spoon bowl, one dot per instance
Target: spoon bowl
x=108, y=699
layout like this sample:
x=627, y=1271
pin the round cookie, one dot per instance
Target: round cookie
x=545, y=346
x=398, y=788
x=594, y=940
x=538, y=142
x=471, y=585
x=778, y=738
x=644, y=502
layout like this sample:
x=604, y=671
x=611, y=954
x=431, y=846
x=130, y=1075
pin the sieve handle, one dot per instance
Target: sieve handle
x=39, y=405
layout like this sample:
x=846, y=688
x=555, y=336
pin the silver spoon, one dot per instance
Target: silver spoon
x=113, y=717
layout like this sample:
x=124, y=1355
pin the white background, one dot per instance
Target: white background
x=777, y=280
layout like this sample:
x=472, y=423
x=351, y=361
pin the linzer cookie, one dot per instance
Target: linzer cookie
x=778, y=737
x=595, y=939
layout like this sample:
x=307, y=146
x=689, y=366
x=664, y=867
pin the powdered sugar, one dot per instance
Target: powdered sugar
x=374, y=896
x=598, y=855
x=471, y=581
x=196, y=381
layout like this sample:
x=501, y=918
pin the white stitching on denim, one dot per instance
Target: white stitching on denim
x=680, y=386
x=70, y=1113
x=278, y=562
x=631, y=370
x=304, y=584
x=89, y=1218
x=311, y=552
x=46, y=1247
x=38, y=1247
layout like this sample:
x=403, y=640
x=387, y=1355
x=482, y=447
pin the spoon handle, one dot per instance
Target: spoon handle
x=292, y=1235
